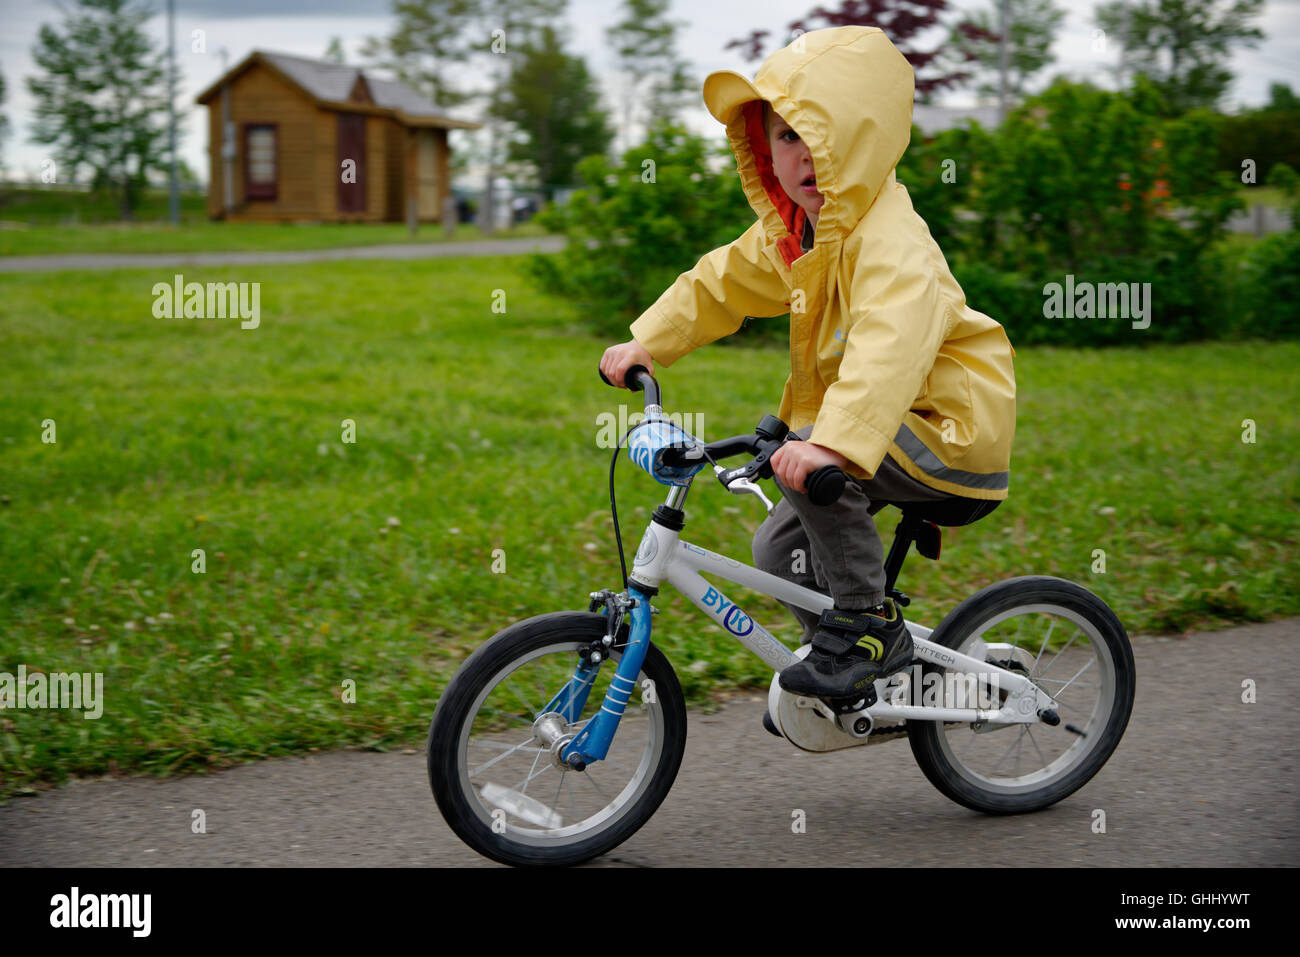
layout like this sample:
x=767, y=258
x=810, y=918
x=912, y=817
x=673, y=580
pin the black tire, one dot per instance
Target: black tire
x=562, y=634
x=934, y=743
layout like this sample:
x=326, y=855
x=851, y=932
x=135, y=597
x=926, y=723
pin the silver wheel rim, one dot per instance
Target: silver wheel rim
x=1080, y=673
x=503, y=753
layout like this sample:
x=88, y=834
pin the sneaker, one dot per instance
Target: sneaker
x=851, y=651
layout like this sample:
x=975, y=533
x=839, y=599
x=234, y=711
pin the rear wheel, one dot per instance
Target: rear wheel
x=1068, y=642
x=493, y=775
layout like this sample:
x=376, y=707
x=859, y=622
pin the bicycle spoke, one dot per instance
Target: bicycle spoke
x=1046, y=639
x=1030, y=733
x=1073, y=707
x=598, y=788
x=556, y=802
x=524, y=789
x=1076, y=674
x=572, y=800
x=1005, y=755
x=1061, y=652
x=503, y=754
x=524, y=783
x=1059, y=681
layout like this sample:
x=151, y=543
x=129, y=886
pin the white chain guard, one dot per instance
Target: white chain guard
x=806, y=728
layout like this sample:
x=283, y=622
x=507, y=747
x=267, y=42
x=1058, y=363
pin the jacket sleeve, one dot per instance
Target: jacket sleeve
x=713, y=299
x=899, y=317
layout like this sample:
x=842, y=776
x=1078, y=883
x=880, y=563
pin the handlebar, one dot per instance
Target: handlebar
x=636, y=378
x=825, y=485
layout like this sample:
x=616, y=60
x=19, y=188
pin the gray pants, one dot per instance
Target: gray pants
x=835, y=549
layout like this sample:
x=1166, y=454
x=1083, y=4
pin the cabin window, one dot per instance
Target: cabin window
x=259, y=162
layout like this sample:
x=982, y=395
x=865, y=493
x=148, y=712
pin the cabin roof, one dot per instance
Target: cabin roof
x=331, y=85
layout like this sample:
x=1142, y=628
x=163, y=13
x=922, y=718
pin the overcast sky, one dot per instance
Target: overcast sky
x=304, y=27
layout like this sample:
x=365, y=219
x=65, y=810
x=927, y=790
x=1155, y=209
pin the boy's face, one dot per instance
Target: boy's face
x=794, y=166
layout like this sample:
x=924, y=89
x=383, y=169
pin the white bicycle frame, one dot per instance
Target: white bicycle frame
x=663, y=556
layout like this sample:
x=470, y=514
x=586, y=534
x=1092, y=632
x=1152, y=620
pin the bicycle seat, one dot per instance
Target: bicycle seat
x=947, y=512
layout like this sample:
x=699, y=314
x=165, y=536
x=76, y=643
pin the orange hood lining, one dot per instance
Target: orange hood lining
x=792, y=214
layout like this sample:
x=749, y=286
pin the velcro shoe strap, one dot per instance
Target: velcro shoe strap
x=848, y=621
x=832, y=644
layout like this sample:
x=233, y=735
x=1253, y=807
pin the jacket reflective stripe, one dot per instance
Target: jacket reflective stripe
x=929, y=463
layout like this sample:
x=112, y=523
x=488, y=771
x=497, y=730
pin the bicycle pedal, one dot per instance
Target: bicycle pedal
x=855, y=703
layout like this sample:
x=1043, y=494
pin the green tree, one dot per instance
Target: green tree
x=1183, y=45
x=1282, y=97
x=334, y=52
x=428, y=47
x=101, y=97
x=976, y=43
x=1100, y=185
x=435, y=41
x=554, y=105
x=438, y=42
x=656, y=80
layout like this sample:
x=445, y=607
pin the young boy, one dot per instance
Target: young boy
x=893, y=377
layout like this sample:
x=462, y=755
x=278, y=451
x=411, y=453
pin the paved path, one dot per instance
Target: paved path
x=1200, y=779
x=485, y=247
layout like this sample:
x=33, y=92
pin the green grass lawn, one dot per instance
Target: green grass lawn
x=476, y=439
x=39, y=223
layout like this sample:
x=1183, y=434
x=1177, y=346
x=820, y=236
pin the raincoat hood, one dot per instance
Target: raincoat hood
x=853, y=109
x=886, y=356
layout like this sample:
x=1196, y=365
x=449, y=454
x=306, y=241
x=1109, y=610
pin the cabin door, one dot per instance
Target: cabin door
x=352, y=178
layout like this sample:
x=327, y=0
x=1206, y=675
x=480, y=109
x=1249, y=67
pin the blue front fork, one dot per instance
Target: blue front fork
x=592, y=743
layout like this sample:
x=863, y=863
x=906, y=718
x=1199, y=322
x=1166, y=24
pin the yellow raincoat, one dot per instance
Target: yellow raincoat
x=885, y=355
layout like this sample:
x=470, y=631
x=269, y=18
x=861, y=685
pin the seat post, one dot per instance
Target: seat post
x=904, y=535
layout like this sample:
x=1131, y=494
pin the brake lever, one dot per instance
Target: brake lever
x=742, y=486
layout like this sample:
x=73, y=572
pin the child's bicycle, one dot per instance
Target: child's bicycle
x=1012, y=703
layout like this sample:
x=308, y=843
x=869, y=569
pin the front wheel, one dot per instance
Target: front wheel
x=494, y=779
x=1067, y=641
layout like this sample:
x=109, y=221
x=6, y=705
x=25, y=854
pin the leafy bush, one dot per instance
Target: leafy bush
x=1270, y=288
x=639, y=225
x=1092, y=184
x=1102, y=186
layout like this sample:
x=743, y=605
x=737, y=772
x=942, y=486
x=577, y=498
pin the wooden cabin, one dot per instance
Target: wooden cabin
x=292, y=139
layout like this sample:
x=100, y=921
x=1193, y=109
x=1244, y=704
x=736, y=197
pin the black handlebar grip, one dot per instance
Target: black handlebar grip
x=826, y=485
x=629, y=377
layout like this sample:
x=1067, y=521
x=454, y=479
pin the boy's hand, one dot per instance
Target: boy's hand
x=618, y=359
x=795, y=461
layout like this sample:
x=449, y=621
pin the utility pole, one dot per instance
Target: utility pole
x=175, y=200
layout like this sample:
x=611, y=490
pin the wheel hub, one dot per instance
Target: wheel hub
x=551, y=730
